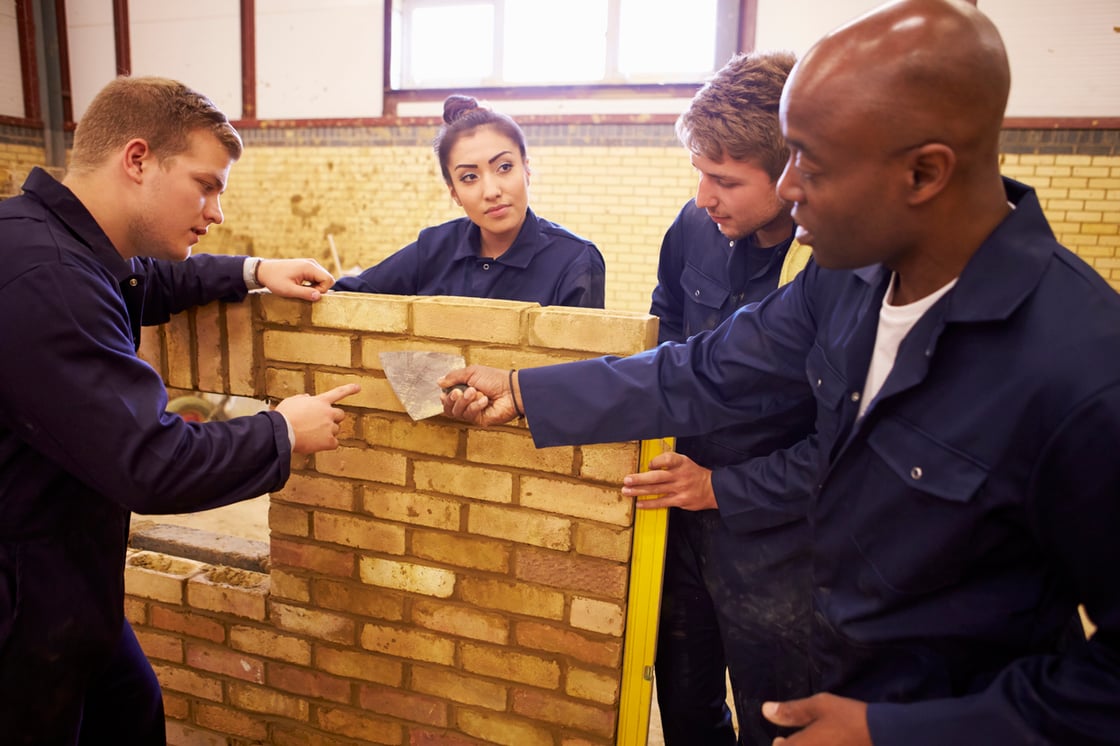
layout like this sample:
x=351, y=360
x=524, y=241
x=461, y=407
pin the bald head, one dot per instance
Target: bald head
x=913, y=71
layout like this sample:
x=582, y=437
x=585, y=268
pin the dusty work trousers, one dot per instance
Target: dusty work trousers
x=734, y=603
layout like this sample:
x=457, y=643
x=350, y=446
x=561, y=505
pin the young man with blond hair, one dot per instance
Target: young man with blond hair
x=85, y=438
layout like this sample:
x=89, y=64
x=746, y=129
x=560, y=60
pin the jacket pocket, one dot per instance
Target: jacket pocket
x=918, y=516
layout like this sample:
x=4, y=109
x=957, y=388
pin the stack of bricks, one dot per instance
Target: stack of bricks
x=429, y=582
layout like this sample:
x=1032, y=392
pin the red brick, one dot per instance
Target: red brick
x=227, y=720
x=588, y=648
x=187, y=623
x=184, y=734
x=358, y=599
x=225, y=661
x=405, y=705
x=318, y=492
x=160, y=646
x=553, y=708
x=308, y=683
x=336, y=562
x=420, y=737
x=505, y=730
x=572, y=572
x=359, y=725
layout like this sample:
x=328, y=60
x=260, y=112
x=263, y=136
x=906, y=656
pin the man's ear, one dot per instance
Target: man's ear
x=930, y=167
x=137, y=157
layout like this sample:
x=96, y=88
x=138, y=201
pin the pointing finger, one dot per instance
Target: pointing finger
x=340, y=392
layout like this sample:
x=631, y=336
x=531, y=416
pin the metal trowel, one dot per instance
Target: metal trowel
x=413, y=374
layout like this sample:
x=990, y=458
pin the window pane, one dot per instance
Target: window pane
x=667, y=38
x=564, y=42
x=451, y=45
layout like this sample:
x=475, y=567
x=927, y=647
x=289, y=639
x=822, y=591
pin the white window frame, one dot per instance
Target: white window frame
x=400, y=79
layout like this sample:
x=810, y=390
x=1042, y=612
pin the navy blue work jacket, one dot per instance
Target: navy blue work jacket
x=85, y=438
x=957, y=525
x=703, y=278
x=546, y=264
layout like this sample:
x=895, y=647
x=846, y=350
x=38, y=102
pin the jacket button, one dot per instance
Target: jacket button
x=486, y=266
x=855, y=396
x=133, y=282
x=697, y=293
x=916, y=472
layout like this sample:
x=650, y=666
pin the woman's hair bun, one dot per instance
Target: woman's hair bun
x=456, y=105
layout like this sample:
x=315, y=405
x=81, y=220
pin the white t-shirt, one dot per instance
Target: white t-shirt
x=895, y=322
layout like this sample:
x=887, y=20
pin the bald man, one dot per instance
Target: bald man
x=966, y=377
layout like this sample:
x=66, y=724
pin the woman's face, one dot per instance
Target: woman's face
x=490, y=181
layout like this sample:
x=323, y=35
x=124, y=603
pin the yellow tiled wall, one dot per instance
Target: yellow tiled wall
x=1081, y=197
x=372, y=189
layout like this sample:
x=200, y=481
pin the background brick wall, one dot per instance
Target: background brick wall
x=374, y=188
x=429, y=582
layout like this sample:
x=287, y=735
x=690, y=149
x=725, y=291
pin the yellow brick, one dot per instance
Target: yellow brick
x=457, y=687
x=436, y=437
x=211, y=355
x=521, y=526
x=270, y=644
x=188, y=681
x=284, y=311
x=609, y=462
x=357, y=724
x=313, y=623
x=307, y=489
x=501, y=729
x=519, y=357
x=362, y=312
x=280, y=383
x=1091, y=172
x=517, y=450
x=407, y=576
x=412, y=507
x=302, y=347
x=597, y=616
x=179, y=372
x=517, y=598
x=461, y=550
x=358, y=665
x=408, y=643
x=591, y=330
x=239, y=337
x=290, y=587
x=226, y=590
x=359, y=532
x=605, y=504
x=460, y=621
x=474, y=319
x=357, y=463
x=151, y=348
x=268, y=701
x=376, y=392
x=509, y=665
x=592, y=685
x=459, y=479
x=372, y=347
x=603, y=541
x=158, y=576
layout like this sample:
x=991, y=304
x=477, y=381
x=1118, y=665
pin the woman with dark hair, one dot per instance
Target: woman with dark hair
x=501, y=249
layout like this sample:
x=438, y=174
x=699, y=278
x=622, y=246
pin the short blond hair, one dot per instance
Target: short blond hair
x=160, y=111
x=735, y=114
